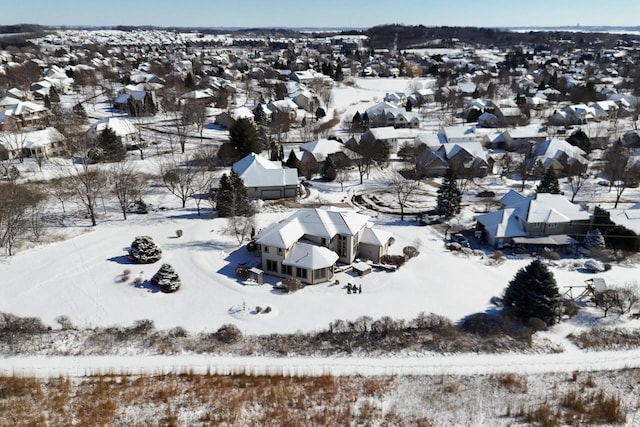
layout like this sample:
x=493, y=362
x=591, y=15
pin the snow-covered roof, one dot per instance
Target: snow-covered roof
x=628, y=218
x=256, y=171
x=375, y=236
x=553, y=208
x=553, y=148
x=323, y=223
x=502, y=223
x=389, y=132
x=42, y=137
x=309, y=256
x=120, y=126
x=322, y=147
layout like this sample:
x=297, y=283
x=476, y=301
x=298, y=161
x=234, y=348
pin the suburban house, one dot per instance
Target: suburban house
x=628, y=218
x=125, y=130
x=561, y=156
x=227, y=119
x=24, y=114
x=265, y=179
x=136, y=103
x=395, y=138
x=542, y=219
x=467, y=159
x=314, y=154
x=308, y=244
x=520, y=138
x=44, y=144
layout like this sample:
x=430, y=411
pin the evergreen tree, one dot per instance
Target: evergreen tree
x=166, y=279
x=231, y=198
x=259, y=116
x=189, y=82
x=408, y=106
x=113, y=150
x=549, y=183
x=244, y=137
x=365, y=120
x=449, y=196
x=320, y=113
x=594, y=239
x=292, y=161
x=533, y=293
x=581, y=140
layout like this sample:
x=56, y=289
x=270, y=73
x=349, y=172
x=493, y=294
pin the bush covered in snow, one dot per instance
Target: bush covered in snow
x=166, y=279
x=144, y=250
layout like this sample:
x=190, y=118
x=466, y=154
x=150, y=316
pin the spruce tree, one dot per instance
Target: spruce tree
x=594, y=239
x=244, y=137
x=449, y=196
x=231, y=198
x=533, y=293
x=112, y=149
x=549, y=183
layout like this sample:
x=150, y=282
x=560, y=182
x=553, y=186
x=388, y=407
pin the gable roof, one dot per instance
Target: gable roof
x=256, y=171
x=323, y=223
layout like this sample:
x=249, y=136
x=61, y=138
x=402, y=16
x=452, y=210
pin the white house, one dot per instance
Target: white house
x=265, y=179
x=124, y=129
x=309, y=243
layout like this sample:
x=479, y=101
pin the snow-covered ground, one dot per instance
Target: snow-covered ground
x=80, y=276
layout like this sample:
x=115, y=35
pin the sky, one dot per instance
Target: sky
x=325, y=13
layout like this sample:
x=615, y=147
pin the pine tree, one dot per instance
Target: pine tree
x=244, y=137
x=449, y=196
x=594, y=239
x=232, y=198
x=533, y=293
x=113, y=150
x=549, y=183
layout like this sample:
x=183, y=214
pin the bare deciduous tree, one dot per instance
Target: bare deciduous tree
x=126, y=184
x=19, y=205
x=180, y=179
x=14, y=137
x=403, y=189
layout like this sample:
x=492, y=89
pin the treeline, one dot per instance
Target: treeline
x=383, y=36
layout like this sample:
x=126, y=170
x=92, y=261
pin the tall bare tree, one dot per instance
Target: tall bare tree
x=14, y=137
x=19, y=203
x=180, y=178
x=620, y=170
x=126, y=184
x=403, y=189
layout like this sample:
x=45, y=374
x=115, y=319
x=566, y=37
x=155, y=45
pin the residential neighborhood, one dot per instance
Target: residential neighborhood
x=392, y=192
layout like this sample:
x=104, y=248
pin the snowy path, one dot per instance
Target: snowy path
x=466, y=364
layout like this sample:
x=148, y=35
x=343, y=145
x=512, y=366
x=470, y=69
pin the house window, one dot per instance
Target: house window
x=279, y=251
x=552, y=225
x=301, y=272
x=265, y=249
x=324, y=242
x=286, y=269
x=272, y=265
x=319, y=274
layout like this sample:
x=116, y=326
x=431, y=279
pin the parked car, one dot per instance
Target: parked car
x=460, y=239
x=594, y=266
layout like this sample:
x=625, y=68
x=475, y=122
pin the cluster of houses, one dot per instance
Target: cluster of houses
x=308, y=244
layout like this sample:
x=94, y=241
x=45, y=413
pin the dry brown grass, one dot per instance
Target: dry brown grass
x=192, y=399
x=511, y=382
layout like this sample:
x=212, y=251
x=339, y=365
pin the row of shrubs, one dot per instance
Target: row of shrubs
x=364, y=335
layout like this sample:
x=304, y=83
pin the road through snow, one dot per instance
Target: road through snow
x=464, y=364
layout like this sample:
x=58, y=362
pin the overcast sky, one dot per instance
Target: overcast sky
x=321, y=13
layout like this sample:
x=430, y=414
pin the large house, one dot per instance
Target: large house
x=541, y=219
x=265, y=179
x=308, y=244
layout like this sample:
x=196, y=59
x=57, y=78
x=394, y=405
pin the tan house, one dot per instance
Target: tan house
x=308, y=244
